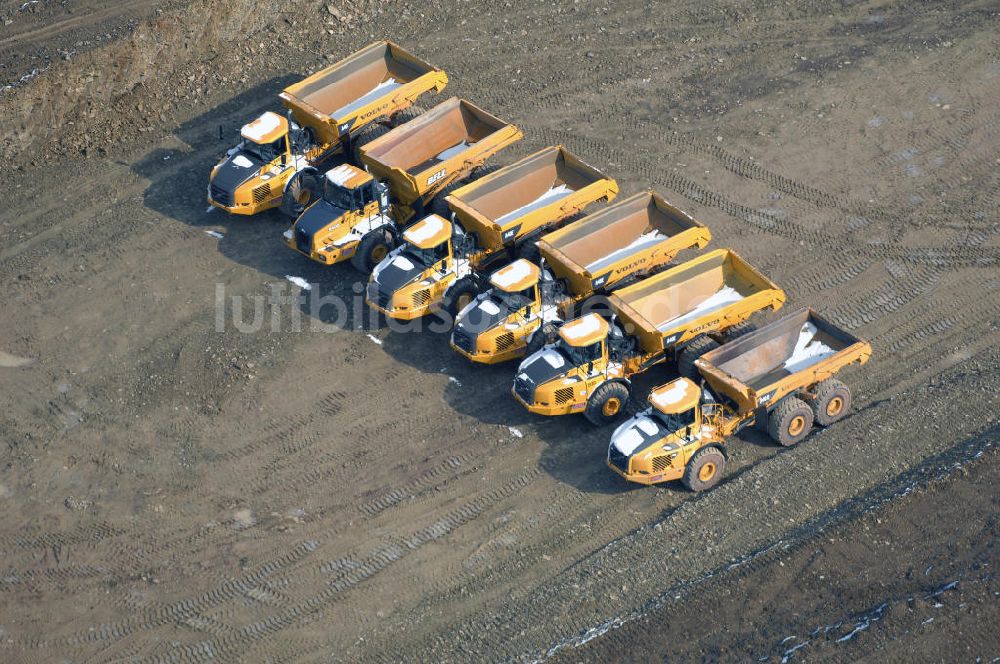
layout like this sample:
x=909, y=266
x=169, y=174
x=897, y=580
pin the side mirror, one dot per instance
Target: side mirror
x=590, y=367
x=527, y=310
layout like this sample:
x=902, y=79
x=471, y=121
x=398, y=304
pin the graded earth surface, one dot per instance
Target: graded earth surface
x=180, y=484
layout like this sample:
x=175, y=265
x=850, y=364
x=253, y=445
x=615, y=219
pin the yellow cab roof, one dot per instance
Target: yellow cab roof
x=584, y=331
x=268, y=128
x=429, y=232
x=517, y=276
x=348, y=176
x=677, y=396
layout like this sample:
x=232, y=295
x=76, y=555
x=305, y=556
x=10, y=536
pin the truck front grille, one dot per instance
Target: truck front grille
x=380, y=298
x=421, y=297
x=303, y=240
x=661, y=463
x=505, y=342
x=262, y=193
x=564, y=395
x=524, y=389
x=463, y=340
x=221, y=196
x=618, y=460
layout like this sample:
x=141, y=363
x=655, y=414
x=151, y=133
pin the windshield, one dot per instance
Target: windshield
x=338, y=196
x=578, y=356
x=510, y=301
x=674, y=422
x=426, y=257
x=267, y=152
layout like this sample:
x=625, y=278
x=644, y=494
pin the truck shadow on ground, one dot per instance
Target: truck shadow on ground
x=177, y=190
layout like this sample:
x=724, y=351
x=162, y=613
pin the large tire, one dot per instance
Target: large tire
x=545, y=334
x=832, y=402
x=372, y=248
x=705, y=469
x=738, y=330
x=461, y=293
x=691, y=352
x=790, y=421
x=606, y=404
x=300, y=192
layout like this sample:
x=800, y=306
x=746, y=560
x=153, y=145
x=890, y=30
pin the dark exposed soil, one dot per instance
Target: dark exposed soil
x=176, y=489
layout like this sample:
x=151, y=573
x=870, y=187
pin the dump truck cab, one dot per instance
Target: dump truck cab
x=492, y=327
x=245, y=180
x=565, y=376
x=656, y=444
x=351, y=205
x=411, y=277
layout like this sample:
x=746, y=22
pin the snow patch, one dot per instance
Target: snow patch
x=719, y=300
x=375, y=339
x=550, y=196
x=426, y=229
x=808, y=350
x=242, y=161
x=452, y=379
x=513, y=273
x=299, y=281
x=209, y=209
x=452, y=151
x=515, y=432
x=489, y=307
x=287, y=234
x=674, y=395
x=582, y=327
x=553, y=358
x=382, y=88
x=215, y=234
x=341, y=174
x=629, y=435
x=261, y=127
x=641, y=243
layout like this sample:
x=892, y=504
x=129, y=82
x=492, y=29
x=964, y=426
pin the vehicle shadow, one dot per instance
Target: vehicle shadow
x=177, y=189
x=574, y=450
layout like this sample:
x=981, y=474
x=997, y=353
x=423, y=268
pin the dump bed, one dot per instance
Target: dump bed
x=443, y=145
x=706, y=294
x=636, y=235
x=378, y=81
x=792, y=353
x=541, y=189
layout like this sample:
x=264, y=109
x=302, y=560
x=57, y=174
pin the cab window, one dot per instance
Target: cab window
x=367, y=194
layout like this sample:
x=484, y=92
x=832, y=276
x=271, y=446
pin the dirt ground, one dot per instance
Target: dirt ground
x=174, y=489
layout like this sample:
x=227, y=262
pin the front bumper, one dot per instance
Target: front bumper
x=488, y=356
x=244, y=210
x=324, y=256
x=542, y=409
x=401, y=314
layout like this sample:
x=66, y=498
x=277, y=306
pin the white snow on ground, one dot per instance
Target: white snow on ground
x=340, y=174
x=718, y=300
x=287, y=234
x=515, y=432
x=425, y=229
x=808, y=350
x=242, y=162
x=375, y=339
x=299, y=281
x=508, y=276
x=550, y=196
x=452, y=379
x=452, y=151
x=209, y=209
x=382, y=88
x=582, y=327
x=215, y=234
x=642, y=242
x=261, y=127
x=629, y=436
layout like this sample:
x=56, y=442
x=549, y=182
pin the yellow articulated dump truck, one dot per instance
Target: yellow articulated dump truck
x=781, y=376
x=279, y=159
x=608, y=249
x=675, y=315
x=360, y=215
x=496, y=219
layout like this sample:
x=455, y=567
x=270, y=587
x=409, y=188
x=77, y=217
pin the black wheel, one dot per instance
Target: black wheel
x=302, y=190
x=705, y=469
x=461, y=293
x=691, y=352
x=790, y=421
x=832, y=402
x=607, y=403
x=738, y=330
x=545, y=334
x=372, y=248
